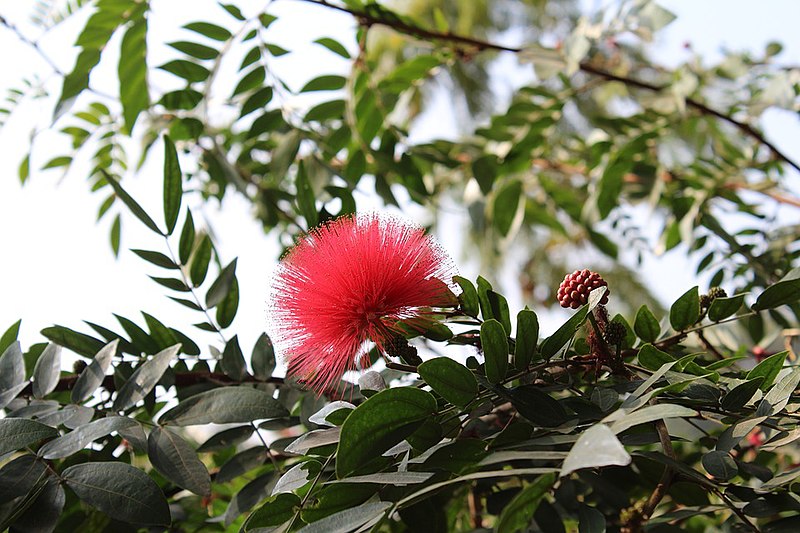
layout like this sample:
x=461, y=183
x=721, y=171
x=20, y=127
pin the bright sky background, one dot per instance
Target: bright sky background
x=55, y=262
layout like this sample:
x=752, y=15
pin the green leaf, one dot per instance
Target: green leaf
x=225, y=405
x=314, y=439
x=778, y=396
x=527, y=338
x=741, y=394
x=119, y=490
x=381, y=422
x=200, y=261
x=17, y=433
x=305, y=197
x=768, y=369
x=275, y=50
x=646, y=325
x=485, y=169
x=536, y=405
x=92, y=376
x=93, y=38
x=563, y=334
x=685, y=311
x=518, y=513
x=722, y=308
x=241, y=463
x=10, y=335
x=132, y=72
x=500, y=309
x=24, y=171
x=232, y=362
x=275, y=510
x=652, y=358
x=785, y=291
x=221, y=286
x=135, y=208
x=47, y=371
x=610, y=185
x=720, y=464
x=156, y=258
x=257, y=100
x=451, y=380
x=623, y=419
x=12, y=367
x=116, y=235
x=144, y=378
x=263, y=357
x=226, y=438
x=187, y=239
x=20, y=475
x=187, y=70
x=597, y=446
x=161, y=334
x=298, y=476
x=506, y=205
x=468, y=297
x=234, y=11
x=143, y=342
x=326, y=111
x=251, y=80
x=349, y=519
x=328, y=82
x=212, y=31
x=334, y=46
x=252, y=493
x=226, y=311
x=173, y=185
x=177, y=461
x=76, y=440
x=171, y=283
x=58, y=162
x=196, y=50
x=266, y=20
x=494, y=342
x=79, y=343
x=591, y=520
x=46, y=498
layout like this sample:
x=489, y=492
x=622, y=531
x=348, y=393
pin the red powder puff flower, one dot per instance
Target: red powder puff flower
x=349, y=282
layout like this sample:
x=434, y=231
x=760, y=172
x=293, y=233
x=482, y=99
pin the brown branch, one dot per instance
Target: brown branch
x=182, y=379
x=639, y=516
x=400, y=367
x=738, y=512
x=33, y=44
x=779, y=197
x=369, y=19
x=710, y=347
x=747, y=129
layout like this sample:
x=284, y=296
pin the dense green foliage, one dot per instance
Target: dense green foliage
x=685, y=419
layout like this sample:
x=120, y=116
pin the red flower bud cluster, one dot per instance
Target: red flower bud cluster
x=574, y=290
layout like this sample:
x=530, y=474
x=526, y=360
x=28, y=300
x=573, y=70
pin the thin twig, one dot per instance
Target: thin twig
x=272, y=459
x=401, y=367
x=188, y=283
x=737, y=511
x=480, y=45
x=708, y=346
x=182, y=379
x=666, y=478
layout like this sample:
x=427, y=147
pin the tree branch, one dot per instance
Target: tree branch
x=182, y=379
x=479, y=45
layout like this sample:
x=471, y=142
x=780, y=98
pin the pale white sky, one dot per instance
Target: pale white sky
x=55, y=262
